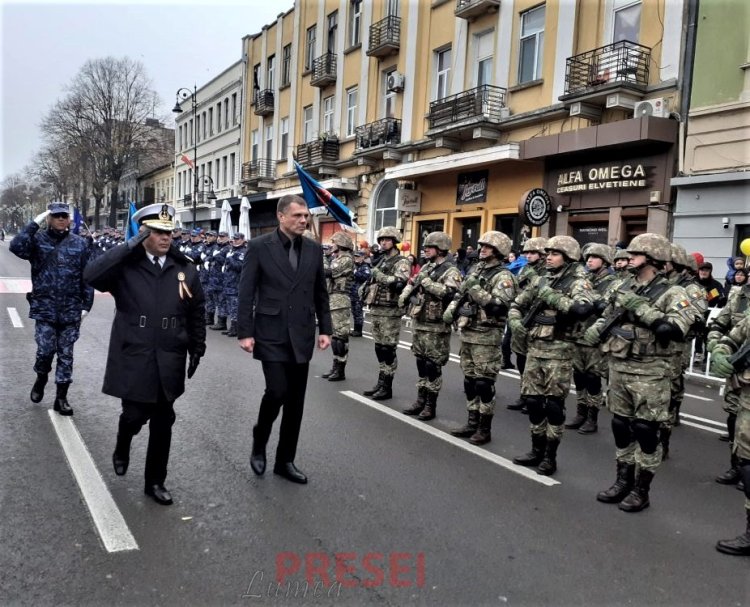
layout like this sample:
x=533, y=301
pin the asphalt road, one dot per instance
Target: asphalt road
x=397, y=515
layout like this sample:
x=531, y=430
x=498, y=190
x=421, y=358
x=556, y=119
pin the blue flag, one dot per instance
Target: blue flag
x=77, y=221
x=317, y=196
x=131, y=227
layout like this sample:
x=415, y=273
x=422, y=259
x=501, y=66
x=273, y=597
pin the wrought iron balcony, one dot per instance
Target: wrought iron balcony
x=469, y=9
x=385, y=37
x=324, y=70
x=379, y=133
x=262, y=169
x=622, y=65
x=483, y=104
x=263, y=102
x=316, y=153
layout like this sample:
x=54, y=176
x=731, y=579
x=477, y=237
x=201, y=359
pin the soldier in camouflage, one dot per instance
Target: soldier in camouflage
x=481, y=307
x=205, y=273
x=389, y=277
x=361, y=276
x=231, y=272
x=533, y=250
x=737, y=342
x=621, y=260
x=589, y=365
x=216, y=281
x=339, y=276
x=547, y=312
x=428, y=296
x=643, y=318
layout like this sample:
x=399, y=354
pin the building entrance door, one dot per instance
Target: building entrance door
x=426, y=227
x=469, y=232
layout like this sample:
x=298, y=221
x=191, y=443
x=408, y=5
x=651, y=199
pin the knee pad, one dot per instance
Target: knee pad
x=470, y=388
x=535, y=405
x=622, y=431
x=380, y=352
x=485, y=389
x=593, y=384
x=745, y=472
x=339, y=346
x=555, y=410
x=731, y=425
x=432, y=371
x=579, y=380
x=647, y=435
x=421, y=371
x=389, y=354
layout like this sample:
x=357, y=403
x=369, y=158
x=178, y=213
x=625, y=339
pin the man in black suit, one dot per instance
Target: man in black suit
x=282, y=291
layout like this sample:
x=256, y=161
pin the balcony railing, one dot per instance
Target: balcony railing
x=315, y=153
x=381, y=132
x=486, y=102
x=324, y=70
x=623, y=63
x=263, y=102
x=385, y=36
x=468, y=9
x=257, y=170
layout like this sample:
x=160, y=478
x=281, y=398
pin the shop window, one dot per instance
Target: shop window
x=424, y=228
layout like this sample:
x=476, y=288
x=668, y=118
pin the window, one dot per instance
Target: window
x=226, y=113
x=269, y=143
x=333, y=26
x=392, y=8
x=355, y=22
x=442, y=73
x=532, y=45
x=198, y=127
x=210, y=121
x=224, y=172
x=232, y=169
x=192, y=133
x=309, y=48
x=627, y=21
x=256, y=80
x=307, y=120
x=205, y=129
x=254, y=145
x=284, y=135
x=234, y=108
x=286, y=65
x=389, y=97
x=483, y=46
x=351, y=111
x=270, y=72
x=328, y=114
x=179, y=185
x=385, y=207
x=218, y=117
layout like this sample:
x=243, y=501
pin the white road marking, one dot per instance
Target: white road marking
x=483, y=453
x=695, y=396
x=108, y=520
x=704, y=420
x=706, y=428
x=15, y=318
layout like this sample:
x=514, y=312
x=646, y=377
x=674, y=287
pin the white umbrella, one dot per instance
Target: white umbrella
x=245, y=217
x=225, y=225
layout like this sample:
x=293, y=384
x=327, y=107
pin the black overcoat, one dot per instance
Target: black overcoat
x=154, y=328
x=278, y=306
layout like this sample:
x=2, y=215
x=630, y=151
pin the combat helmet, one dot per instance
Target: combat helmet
x=342, y=241
x=440, y=240
x=655, y=246
x=679, y=255
x=389, y=232
x=599, y=250
x=567, y=245
x=535, y=245
x=692, y=263
x=621, y=254
x=497, y=240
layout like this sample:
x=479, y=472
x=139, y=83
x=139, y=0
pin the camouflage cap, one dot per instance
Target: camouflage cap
x=343, y=241
x=655, y=246
x=535, y=245
x=439, y=240
x=567, y=245
x=389, y=232
x=497, y=240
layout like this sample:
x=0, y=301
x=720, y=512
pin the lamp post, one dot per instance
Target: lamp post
x=181, y=95
x=207, y=181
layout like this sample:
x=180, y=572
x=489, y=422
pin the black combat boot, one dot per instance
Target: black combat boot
x=536, y=455
x=37, y=390
x=338, y=373
x=121, y=456
x=385, y=391
x=430, y=406
x=516, y=406
x=331, y=372
x=471, y=426
x=357, y=332
x=221, y=324
x=209, y=318
x=417, y=405
x=61, y=400
x=591, y=424
x=376, y=387
x=664, y=435
x=483, y=435
x=739, y=546
x=548, y=465
x=232, y=332
x=731, y=476
x=622, y=486
x=637, y=499
x=677, y=421
x=579, y=419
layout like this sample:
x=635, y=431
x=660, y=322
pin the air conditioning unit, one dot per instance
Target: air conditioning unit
x=619, y=100
x=586, y=110
x=395, y=82
x=651, y=107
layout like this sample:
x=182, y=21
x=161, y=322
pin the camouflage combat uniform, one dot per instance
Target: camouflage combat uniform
x=361, y=276
x=340, y=276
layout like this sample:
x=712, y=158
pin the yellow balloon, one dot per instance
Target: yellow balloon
x=745, y=246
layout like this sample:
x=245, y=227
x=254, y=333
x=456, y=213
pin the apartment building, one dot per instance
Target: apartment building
x=459, y=114
x=156, y=185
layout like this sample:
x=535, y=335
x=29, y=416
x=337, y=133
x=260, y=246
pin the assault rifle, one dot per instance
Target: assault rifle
x=619, y=313
x=740, y=360
x=540, y=304
x=463, y=307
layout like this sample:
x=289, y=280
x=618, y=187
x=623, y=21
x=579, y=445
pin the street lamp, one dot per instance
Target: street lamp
x=207, y=181
x=181, y=95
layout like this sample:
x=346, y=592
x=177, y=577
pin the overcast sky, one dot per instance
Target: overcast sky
x=180, y=43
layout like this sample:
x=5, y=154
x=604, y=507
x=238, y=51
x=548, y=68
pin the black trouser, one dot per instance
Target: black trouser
x=160, y=416
x=286, y=383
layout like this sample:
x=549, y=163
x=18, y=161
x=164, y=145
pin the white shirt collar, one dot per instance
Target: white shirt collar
x=161, y=258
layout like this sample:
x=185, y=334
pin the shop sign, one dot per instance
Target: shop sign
x=472, y=187
x=409, y=201
x=625, y=176
x=535, y=207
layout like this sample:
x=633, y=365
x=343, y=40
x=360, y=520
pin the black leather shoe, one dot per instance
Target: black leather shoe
x=289, y=472
x=258, y=463
x=159, y=494
x=120, y=464
x=62, y=406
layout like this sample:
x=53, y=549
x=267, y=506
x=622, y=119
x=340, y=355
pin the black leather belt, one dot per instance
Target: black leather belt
x=152, y=322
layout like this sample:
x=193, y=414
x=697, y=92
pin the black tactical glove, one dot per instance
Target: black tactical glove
x=138, y=238
x=193, y=365
x=665, y=332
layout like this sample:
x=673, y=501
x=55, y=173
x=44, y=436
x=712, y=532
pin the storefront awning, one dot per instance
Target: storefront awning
x=452, y=162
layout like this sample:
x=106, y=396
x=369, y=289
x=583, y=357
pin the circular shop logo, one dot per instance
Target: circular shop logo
x=537, y=206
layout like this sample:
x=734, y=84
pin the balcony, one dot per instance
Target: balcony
x=375, y=140
x=259, y=173
x=471, y=9
x=263, y=102
x=385, y=36
x=476, y=112
x=321, y=155
x=324, y=70
x=593, y=76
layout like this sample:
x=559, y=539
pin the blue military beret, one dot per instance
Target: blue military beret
x=58, y=207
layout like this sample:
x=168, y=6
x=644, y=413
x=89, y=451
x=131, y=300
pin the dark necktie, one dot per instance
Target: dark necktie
x=157, y=265
x=293, y=259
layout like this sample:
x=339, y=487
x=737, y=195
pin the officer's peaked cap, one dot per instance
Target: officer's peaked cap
x=156, y=216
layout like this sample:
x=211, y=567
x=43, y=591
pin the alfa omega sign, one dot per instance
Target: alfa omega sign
x=608, y=177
